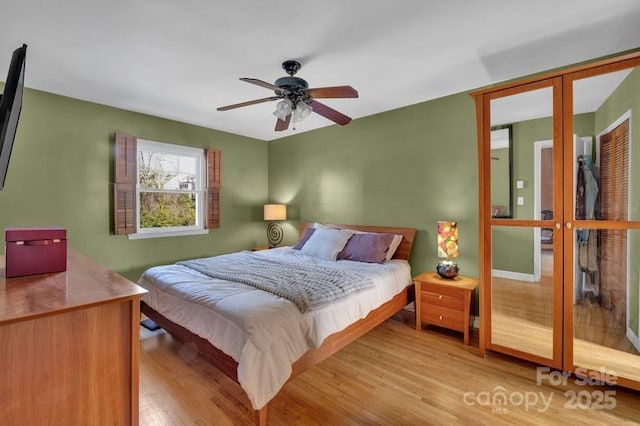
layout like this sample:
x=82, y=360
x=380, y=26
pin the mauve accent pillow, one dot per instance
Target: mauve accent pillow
x=326, y=243
x=370, y=248
x=303, y=239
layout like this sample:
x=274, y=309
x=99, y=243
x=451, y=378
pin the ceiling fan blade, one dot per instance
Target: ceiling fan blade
x=265, y=85
x=283, y=124
x=333, y=92
x=329, y=113
x=243, y=104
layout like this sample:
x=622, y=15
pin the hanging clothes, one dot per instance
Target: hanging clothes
x=580, y=188
x=587, y=192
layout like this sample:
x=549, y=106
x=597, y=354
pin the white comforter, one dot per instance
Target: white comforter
x=264, y=333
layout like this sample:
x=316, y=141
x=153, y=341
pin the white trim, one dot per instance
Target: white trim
x=170, y=148
x=635, y=340
x=513, y=275
x=538, y=146
x=158, y=234
x=581, y=146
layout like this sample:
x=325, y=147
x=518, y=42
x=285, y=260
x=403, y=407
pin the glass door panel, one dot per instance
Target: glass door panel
x=605, y=305
x=522, y=295
x=521, y=126
x=524, y=320
x=606, y=214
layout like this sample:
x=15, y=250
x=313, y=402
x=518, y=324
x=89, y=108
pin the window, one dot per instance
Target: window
x=162, y=189
x=170, y=188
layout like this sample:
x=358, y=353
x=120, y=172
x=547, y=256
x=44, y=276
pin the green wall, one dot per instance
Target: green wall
x=59, y=174
x=408, y=167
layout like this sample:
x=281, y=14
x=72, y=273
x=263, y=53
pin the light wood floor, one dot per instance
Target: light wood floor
x=394, y=375
x=523, y=315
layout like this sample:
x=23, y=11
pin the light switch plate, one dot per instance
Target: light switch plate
x=519, y=184
x=521, y=201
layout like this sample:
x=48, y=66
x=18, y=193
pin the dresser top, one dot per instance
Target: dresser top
x=83, y=284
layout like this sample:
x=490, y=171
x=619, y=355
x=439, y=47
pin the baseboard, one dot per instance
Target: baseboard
x=512, y=275
x=633, y=338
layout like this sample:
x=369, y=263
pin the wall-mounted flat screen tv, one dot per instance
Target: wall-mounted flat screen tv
x=10, y=107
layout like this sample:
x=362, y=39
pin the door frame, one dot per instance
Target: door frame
x=538, y=146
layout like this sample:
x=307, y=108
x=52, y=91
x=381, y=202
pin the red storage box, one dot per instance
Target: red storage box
x=30, y=251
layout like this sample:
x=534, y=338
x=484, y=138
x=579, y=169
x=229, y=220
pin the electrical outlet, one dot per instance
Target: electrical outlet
x=521, y=201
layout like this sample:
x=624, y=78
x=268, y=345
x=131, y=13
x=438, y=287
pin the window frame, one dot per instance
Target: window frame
x=200, y=190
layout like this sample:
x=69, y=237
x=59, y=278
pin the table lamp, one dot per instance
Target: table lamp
x=447, y=248
x=273, y=212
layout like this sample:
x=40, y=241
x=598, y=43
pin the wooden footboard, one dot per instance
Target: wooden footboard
x=331, y=345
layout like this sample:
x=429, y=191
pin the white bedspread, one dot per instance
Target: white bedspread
x=264, y=333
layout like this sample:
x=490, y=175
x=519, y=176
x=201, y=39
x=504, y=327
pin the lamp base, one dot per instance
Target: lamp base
x=274, y=234
x=447, y=269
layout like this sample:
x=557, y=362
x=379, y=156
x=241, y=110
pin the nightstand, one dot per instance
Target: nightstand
x=444, y=302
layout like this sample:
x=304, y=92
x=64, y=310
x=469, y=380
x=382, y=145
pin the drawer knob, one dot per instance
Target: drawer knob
x=440, y=297
x=441, y=317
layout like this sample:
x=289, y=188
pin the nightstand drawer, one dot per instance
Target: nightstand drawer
x=443, y=290
x=440, y=299
x=443, y=317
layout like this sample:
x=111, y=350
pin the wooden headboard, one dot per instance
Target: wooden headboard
x=408, y=235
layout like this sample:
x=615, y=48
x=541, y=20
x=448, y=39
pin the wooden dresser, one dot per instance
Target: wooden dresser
x=69, y=347
x=444, y=302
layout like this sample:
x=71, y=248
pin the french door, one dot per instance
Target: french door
x=560, y=278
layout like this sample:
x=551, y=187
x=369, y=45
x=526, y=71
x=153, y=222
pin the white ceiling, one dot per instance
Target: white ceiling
x=182, y=59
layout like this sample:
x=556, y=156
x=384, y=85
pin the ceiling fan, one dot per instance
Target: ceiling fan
x=297, y=99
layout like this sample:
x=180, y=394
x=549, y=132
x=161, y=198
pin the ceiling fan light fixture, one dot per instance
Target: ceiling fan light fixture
x=302, y=111
x=283, y=109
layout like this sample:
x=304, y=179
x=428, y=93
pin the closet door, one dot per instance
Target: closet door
x=522, y=225
x=602, y=237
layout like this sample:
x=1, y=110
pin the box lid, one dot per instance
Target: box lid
x=30, y=234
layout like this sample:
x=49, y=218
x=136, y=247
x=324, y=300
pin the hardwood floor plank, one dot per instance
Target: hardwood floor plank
x=393, y=375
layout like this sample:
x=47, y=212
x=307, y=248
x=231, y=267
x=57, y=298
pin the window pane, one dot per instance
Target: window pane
x=160, y=170
x=161, y=210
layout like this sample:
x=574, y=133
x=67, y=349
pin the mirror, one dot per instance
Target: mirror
x=523, y=317
x=501, y=177
x=606, y=306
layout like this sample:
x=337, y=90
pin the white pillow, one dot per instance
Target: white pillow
x=395, y=243
x=326, y=243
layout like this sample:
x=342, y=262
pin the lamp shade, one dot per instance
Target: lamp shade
x=275, y=212
x=301, y=111
x=447, y=239
x=283, y=109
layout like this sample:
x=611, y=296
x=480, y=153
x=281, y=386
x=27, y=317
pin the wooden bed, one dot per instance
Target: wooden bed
x=331, y=344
